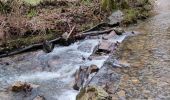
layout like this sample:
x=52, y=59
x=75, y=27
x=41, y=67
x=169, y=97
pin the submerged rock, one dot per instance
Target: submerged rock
x=93, y=93
x=39, y=98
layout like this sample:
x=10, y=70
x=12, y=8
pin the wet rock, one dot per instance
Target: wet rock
x=39, y=98
x=93, y=69
x=86, y=47
x=79, y=77
x=119, y=31
x=82, y=74
x=110, y=35
x=106, y=46
x=48, y=47
x=120, y=63
x=93, y=93
x=20, y=86
x=116, y=17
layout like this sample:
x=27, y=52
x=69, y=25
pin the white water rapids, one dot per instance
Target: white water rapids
x=52, y=72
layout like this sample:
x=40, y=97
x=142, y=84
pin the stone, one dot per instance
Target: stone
x=110, y=35
x=17, y=87
x=93, y=69
x=21, y=86
x=39, y=98
x=120, y=63
x=106, y=46
x=119, y=31
x=116, y=17
x=93, y=93
x=48, y=47
x=135, y=81
x=121, y=94
x=82, y=74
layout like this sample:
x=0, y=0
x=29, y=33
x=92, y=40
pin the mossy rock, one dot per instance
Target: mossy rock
x=93, y=93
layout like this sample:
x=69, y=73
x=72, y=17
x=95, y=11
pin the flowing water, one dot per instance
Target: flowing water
x=53, y=73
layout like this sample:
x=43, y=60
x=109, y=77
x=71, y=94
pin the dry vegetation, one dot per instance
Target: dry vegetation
x=25, y=22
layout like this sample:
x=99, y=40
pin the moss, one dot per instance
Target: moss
x=25, y=41
x=33, y=2
x=32, y=13
x=131, y=16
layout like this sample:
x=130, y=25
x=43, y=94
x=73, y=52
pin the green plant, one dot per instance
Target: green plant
x=32, y=13
x=5, y=7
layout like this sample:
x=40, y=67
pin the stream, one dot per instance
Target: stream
x=148, y=54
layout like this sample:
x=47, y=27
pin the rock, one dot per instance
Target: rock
x=121, y=94
x=135, y=81
x=116, y=17
x=120, y=63
x=17, y=87
x=82, y=74
x=106, y=46
x=65, y=35
x=87, y=47
x=48, y=47
x=20, y=86
x=119, y=31
x=110, y=35
x=39, y=98
x=93, y=69
x=93, y=93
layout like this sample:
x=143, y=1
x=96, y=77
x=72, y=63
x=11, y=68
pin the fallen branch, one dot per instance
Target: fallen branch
x=59, y=40
x=29, y=48
x=94, y=33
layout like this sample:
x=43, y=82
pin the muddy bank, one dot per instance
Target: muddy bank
x=25, y=24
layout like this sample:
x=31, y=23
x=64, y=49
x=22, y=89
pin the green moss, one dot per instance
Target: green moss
x=32, y=13
x=131, y=16
x=33, y=2
x=25, y=41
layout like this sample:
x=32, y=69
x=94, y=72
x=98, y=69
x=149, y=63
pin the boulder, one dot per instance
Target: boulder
x=106, y=46
x=116, y=17
x=119, y=31
x=82, y=75
x=93, y=93
x=110, y=35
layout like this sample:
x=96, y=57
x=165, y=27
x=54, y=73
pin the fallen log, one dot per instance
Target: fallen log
x=29, y=48
x=59, y=40
x=93, y=33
